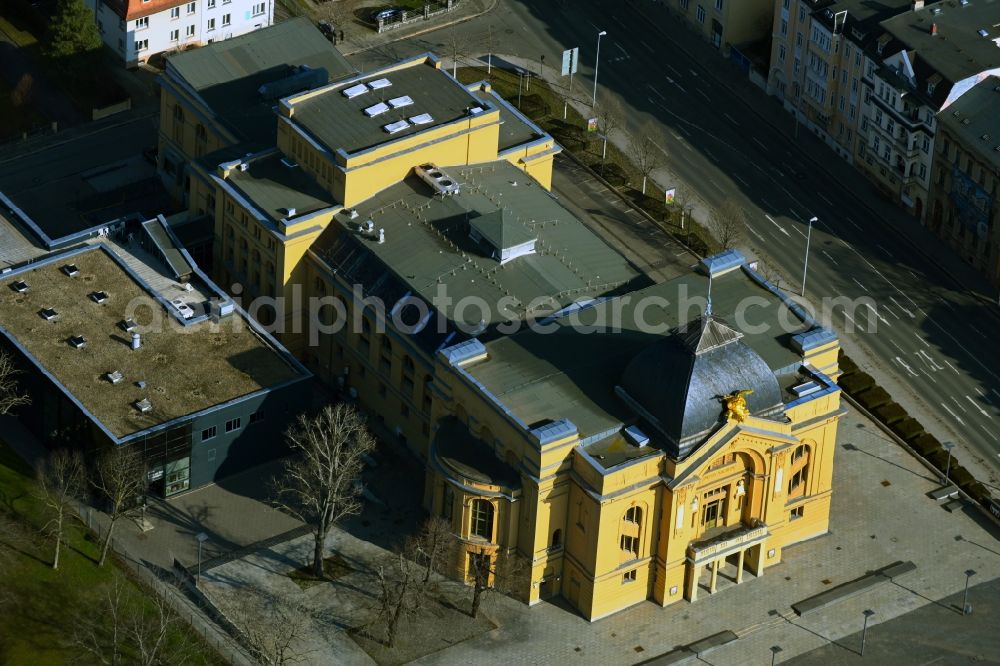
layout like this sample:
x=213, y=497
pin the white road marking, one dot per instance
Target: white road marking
x=953, y=414
x=758, y=142
x=648, y=47
x=657, y=92
x=703, y=94
x=857, y=282
x=875, y=312
x=737, y=177
x=731, y=119
x=930, y=361
x=981, y=334
x=821, y=196
x=755, y=232
x=884, y=250
x=922, y=341
x=908, y=368
x=890, y=311
x=676, y=73
x=976, y=405
x=853, y=323
x=952, y=367
x=622, y=49
x=912, y=316
x=929, y=376
x=946, y=303
x=960, y=405
x=981, y=394
x=853, y=223
x=693, y=73
x=827, y=255
x=780, y=228
x=893, y=342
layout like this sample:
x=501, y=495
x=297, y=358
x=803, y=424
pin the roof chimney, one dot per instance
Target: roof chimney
x=136, y=341
x=933, y=29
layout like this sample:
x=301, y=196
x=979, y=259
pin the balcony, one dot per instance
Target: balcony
x=724, y=540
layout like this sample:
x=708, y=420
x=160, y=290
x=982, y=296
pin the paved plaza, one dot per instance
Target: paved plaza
x=881, y=514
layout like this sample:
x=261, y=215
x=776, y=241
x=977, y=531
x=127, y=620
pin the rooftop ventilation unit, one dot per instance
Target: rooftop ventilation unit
x=397, y=126
x=127, y=325
x=71, y=270
x=400, y=102
x=636, y=436
x=243, y=166
x=136, y=341
x=220, y=309
x=114, y=377
x=144, y=405
x=440, y=181
x=48, y=314
x=290, y=212
x=355, y=91
x=78, y=342
x=98, y=296
x=422, y=119
x=475, y=110
x=289, y=164
x=983, y=32
x=802, y=390
x=378, y=84
x=20, y=286
x=376, y=109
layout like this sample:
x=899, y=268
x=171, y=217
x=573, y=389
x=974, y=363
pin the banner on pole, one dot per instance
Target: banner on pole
x=570, y=59
x=668, y=196
x=592, y=124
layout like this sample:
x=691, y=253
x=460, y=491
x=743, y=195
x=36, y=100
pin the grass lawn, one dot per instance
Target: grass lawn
x=47, y=604
x=334, y=567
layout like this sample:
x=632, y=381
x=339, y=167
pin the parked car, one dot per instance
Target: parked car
x=182, y=308
x=385, y=14
x=326, y=28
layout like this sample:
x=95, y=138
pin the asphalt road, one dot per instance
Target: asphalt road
x=924, y=336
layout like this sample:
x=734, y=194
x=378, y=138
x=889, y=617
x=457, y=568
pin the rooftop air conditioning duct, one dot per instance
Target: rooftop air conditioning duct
x=439, y=181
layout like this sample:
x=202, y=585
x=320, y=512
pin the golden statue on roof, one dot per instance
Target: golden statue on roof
x=736, y=405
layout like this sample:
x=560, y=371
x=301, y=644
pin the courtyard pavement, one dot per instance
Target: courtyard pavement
x=881, y=514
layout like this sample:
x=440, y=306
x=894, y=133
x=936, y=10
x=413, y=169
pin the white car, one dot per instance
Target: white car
x=182, y=308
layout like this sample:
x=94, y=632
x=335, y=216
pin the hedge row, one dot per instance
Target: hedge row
x=862, y=387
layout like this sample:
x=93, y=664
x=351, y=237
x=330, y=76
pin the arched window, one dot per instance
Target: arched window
x=200, y=133
x=798, y=471
x=178, y=113
x=631, y=530
x=557, y=539
x=482, y=519
x=385, y=358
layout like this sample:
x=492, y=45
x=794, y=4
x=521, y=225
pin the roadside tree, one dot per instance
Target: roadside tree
x=60, y=484
x=119, y=478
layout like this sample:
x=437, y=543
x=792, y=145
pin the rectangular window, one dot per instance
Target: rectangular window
x=226, y=19
x=258, y=9
x=175, y=12
x=191, y=6
x=685, y=4
x=796, y=513
x=718, y=5
x=210, y=26
x=628, y=576
x=701, y=14
x=142, y=45
x=784, y=26
x=630, y=545
x=404, y=410
x=210, y=4
x=209, y=433
x=256, y=417
x=923, y=171
x=781, y=53
x=175, y=35
x=142, y=23
x=233, y=424
x=189, y=31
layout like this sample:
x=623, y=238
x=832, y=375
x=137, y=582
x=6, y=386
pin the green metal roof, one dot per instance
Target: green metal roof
x=341, y=123
x=570, y=368
x=501, y=230
x=228, y=74
x=275, y=187
x=427, y=245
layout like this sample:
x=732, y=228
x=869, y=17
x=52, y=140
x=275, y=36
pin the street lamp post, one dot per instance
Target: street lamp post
x=948, y=446
x=520, y=78
x=775, y=649
x=597, y=62
x=805, y=264
x=202, y=538
x=864, y=631
x=966, y=608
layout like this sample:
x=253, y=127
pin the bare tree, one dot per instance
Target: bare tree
x=727, y=223
x=645, y=153
x=10, y=397
x=322, y=484
x=272, y=626
x=401, y=592
x=60, y=483
x=457, y=47
x=120, y=479
x=610, y=118
x=432, y=544
x=133, y=629
x=502, y=572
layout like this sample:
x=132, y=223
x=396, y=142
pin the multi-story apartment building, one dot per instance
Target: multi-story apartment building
x=727, y=22
x=965, y=198
x=869, y=78
x=138, y=29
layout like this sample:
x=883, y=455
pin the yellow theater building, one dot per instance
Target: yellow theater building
x=564, y=409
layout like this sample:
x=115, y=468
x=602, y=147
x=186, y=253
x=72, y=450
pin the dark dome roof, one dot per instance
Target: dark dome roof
x=679, y=382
